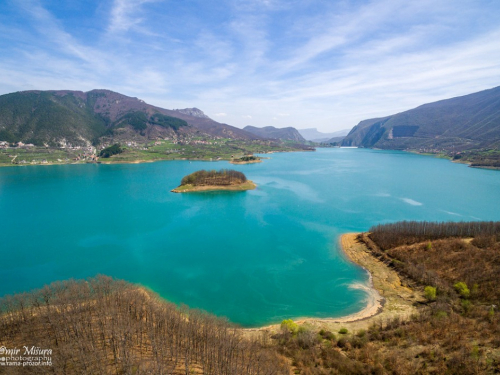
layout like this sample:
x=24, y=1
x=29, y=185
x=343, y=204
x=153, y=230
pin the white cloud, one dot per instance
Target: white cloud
x=302, y=64
x=124, y=14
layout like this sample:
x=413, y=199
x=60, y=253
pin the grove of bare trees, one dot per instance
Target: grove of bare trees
x=108, y=326
x=213, y=177
x=407, y=232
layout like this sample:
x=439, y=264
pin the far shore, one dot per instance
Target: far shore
x=125, y=162
x=111, y=160
x=386, y=297
x=245, y=162
x=248, y=185
x=458, y=161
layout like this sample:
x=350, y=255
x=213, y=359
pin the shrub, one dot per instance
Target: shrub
x=344, y=343
x=359, y=342
x=327, y=335
x=475, y=290
x=491, y=314
x=343, y=331
x=361, y=333
x=466, y=305
x=462, y=289
x=441, y=314
x=306, y=338
x=290, y=326
x=430, y=293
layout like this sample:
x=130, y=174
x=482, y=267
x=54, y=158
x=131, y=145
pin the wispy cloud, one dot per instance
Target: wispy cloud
x=293, y=63
x=125, y=15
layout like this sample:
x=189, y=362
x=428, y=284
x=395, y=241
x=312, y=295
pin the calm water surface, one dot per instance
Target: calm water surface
x=256, y=257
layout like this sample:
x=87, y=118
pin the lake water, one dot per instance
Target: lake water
x=256, y=257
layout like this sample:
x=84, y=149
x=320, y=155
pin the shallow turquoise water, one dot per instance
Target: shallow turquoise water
x=256, y=257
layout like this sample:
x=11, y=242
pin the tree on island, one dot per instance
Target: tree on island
x=223, y=177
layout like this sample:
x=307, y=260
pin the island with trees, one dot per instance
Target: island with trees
x=225, y=179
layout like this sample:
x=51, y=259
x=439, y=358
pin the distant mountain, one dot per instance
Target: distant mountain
x=312, y=134
x=333, y=140
x=78, y=118
x=195, y=112
x=285, y=134
x=466, y=122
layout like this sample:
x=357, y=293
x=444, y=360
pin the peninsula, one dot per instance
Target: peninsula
x=225, y=179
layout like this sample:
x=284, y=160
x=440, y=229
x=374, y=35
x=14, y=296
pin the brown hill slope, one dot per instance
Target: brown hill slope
x=107, y=326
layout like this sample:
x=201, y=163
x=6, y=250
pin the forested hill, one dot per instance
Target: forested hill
x=79, y=118
x=466, y=122
x=284, y=134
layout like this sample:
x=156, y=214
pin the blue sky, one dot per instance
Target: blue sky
x=309, y=63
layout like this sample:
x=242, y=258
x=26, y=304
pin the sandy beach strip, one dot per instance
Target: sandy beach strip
x=386, y=297
x=245, y=162
x=247, y=185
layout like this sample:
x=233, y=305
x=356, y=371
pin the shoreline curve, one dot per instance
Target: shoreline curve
x=386, y=297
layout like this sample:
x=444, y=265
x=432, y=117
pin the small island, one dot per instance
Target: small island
x=247, y=159
x=225, y=179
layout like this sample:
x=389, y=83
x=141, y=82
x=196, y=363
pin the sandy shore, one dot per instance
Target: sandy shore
x=245, y=162
x=386, y=298
x=248, y=185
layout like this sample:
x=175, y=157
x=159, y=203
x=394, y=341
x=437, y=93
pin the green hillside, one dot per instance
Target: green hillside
x=43, y=117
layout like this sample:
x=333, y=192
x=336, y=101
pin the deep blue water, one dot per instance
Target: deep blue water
x=256, y=257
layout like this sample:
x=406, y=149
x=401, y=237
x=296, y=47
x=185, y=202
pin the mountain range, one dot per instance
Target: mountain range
x=65, y=117
x=284, y=134
x=462, y=123
x=312, y=134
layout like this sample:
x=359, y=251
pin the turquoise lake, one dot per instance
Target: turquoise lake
x=256, y=257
